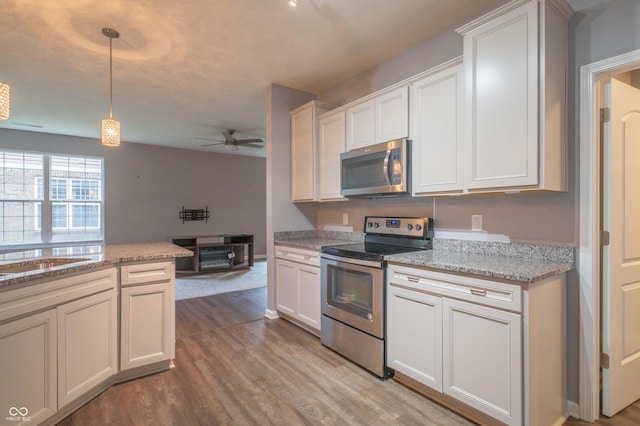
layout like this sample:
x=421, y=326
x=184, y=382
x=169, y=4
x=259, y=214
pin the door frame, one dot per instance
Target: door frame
x=588, y=253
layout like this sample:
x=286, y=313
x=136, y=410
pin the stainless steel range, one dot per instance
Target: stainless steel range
x=353, y=289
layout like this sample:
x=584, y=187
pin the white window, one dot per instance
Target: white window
x=50, y=198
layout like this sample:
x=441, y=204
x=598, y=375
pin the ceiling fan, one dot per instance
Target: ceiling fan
x=230, y=143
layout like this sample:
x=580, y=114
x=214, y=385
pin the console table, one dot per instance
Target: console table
x=215, y=253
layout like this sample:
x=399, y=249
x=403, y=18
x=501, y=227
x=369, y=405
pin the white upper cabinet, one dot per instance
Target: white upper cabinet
x=436, y=131
x=332, y=144
x=516, y=71
x=381, y=118
x=304, y=150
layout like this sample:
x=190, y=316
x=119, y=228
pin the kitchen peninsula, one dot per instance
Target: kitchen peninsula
x=76, y=320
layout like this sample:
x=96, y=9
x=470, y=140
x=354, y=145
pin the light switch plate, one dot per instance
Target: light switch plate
x=345, y=218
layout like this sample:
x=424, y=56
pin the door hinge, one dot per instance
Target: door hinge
x=605, y=115
x=604, y=238
x=604, y=361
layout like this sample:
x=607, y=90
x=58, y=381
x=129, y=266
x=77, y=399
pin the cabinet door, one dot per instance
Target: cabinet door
x=501, y=59
x=87, y=344
x=392, y=115
x=332, y=144
x=29, y=367
x=147, y=324
x=287, y=287
x=436, y=132
x=303, y=170
x=482, y=359
x=309, y=295
x=414, y=335
x=360, y=125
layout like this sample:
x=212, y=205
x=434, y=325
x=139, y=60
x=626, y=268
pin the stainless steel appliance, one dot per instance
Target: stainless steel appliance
x=377, y=171
x=353, y=290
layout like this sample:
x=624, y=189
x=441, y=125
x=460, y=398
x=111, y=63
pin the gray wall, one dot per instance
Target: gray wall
x=146, y=186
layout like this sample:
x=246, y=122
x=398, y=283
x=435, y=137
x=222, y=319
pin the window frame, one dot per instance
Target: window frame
x=43, y=210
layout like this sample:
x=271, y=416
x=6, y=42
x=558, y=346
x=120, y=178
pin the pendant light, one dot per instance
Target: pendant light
x=110, y=127
x=4, y=101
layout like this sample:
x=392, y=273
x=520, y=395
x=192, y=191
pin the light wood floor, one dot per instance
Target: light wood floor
x=234, y=367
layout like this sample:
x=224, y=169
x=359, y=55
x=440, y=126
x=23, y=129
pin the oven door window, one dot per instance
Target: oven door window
x=350, y=291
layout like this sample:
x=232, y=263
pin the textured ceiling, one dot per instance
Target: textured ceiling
x=191, y=68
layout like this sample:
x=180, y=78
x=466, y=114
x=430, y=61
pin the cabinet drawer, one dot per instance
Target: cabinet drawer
x=475, y=290
x=294, y=254
x=144, y=273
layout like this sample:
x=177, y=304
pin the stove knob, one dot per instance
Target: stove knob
x=418, y=227
x=409, y=227
x=377, y=225
x=369, y=224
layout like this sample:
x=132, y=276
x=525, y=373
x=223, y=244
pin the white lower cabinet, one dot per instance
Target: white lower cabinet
x=482, y=359
x=489, y=347
x=298, y=285
x=147, y=314
x=29, y=368
x=87, y=344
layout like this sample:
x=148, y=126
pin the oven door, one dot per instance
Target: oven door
x=353, y=293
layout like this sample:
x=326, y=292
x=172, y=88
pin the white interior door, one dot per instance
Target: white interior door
x=621, y=258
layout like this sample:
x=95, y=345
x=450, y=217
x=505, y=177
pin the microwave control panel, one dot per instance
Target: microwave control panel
x=401, y=226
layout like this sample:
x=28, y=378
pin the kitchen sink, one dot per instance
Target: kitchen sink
x=36, y=265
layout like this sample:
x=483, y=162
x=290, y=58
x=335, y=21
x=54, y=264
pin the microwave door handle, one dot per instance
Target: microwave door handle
x=385, y=167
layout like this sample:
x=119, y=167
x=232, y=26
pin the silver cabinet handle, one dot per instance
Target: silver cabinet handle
x=413, y=279
x=478, y=292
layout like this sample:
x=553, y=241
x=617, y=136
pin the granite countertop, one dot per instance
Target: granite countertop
x=522, y=263
x=510, y=268
x=91, y=257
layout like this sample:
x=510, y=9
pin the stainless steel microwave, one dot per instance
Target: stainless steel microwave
x=377, y=171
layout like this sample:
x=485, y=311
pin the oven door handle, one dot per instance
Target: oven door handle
x=361, y=262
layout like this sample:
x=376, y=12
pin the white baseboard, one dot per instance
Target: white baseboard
x=270, y=314
x=574, y=409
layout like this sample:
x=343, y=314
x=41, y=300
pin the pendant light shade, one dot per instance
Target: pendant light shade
x=110, y=132
x=110, y=127
x=4, y=101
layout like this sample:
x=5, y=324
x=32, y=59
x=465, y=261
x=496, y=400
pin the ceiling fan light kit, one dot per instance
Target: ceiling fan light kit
x=110, y=127
x=293, y=3
x=4, y=101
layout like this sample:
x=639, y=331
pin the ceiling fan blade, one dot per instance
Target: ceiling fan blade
x=245, y=141
x=214, y=144
x=252, y=145
x=208, y=139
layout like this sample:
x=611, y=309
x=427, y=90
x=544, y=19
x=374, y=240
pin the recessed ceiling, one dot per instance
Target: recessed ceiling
x=193, y=68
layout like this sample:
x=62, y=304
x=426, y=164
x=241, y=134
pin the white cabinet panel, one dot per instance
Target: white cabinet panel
x=360, y=125
x=304, y=150
x=414, y=335
x=287, y=287
x=309, y=295
x=298, y=285
x=29, y=367
x=332, y=144
x=147, y=316
x=436, y=132
x=392, y=115
x=379, y=119
x=516, y=76
x=87, y=344
x=482, y=359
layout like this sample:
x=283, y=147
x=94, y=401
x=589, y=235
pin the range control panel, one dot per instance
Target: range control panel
x=401, y=226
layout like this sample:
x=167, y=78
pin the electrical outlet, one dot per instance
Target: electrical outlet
x=476, y=222
x=345, y=218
